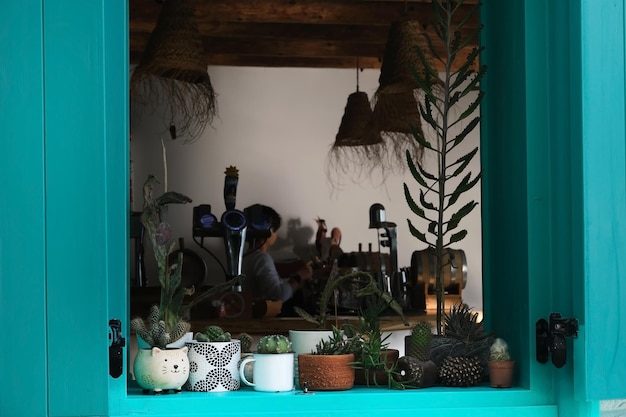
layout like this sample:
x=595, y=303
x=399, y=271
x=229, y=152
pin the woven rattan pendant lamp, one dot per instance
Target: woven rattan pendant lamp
x=172, y=76
x=396, y=117
x=396, y=113
x=401, y=57
x=357, y=146
x=356, y=120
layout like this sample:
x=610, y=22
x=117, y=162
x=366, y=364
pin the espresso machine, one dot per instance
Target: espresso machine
x=234, y=227
x=398, y=282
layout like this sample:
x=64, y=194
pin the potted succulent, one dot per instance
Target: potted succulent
x=329, y=367
x=158, y=368
x=462, y=352
x=500, y=364
x=272, y=365
x=214, y=361
x=304, y=341
x=169, y=324
x=374, y=360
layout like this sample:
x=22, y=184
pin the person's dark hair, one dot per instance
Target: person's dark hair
x=272, y=217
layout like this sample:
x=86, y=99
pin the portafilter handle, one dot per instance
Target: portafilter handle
x=235, y=226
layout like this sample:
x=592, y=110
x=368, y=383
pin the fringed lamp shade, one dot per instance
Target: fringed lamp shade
x=396, y=116
x=356, y=119
x=357, y=148
x=172, y=74
x=401, y=57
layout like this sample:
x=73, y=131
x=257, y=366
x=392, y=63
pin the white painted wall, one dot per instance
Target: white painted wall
x=276, y=126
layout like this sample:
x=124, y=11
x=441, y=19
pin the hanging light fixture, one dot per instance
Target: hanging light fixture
x=357, y=147
x=356, y=120
x=172, y=76
x=396, y=113
x=406, y=38
x=396, y=117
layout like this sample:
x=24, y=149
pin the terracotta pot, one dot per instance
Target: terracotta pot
x=501, y=373
x=389, y=356
x=326, y=372
x=304, y=341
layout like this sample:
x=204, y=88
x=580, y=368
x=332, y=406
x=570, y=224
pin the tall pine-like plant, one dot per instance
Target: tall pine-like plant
x=442, y=186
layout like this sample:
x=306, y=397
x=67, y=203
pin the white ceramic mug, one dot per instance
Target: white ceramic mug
x=272, y=372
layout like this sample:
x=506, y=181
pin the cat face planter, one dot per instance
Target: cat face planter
x=214, y=366
x=157, y=369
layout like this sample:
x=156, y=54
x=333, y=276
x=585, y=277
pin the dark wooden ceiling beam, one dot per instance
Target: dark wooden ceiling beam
x=296, y=11
x=296, y=33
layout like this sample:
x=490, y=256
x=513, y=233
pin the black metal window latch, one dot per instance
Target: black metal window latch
x=116, y=348
x=551, y=338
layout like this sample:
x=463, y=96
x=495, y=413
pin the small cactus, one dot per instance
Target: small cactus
x=420, y=340
x=155, y=333
x=246, y=342
x=213, y=334
x=274, y=343
x=499, y=351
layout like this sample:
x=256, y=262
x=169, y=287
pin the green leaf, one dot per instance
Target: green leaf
x=456, y=218
x=427, y=115
x=419, y=235
x=173, y=197
x=432, y=227
x=464, y=161
x=464, y=185
x=457, y=237
x=419, y=137
x=426, y=204
x=473, y=106
x=412, y=205
x=413, y=169
x=466, y=131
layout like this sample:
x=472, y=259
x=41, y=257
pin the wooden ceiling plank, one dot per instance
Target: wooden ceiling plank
x=297, y=11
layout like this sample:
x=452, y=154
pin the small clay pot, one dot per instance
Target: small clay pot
x=389, y=356
x=326, y=372
x=501, y=373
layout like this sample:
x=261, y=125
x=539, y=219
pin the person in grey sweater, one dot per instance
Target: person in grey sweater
x=262, y=278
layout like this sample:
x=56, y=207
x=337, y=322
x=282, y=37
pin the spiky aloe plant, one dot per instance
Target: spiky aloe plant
x=441, y=188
